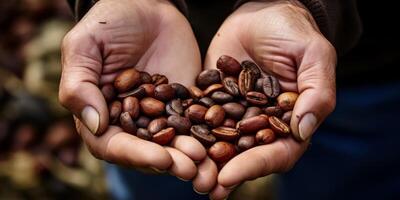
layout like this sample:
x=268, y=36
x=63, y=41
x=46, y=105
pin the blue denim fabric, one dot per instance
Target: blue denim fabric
x=355, y=154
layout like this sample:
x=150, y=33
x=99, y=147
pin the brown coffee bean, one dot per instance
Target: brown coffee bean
x=234, y=110
x=206, y=101
x=164, y=136
x=157, y=125
x=222, y=152
x=115, y=109
x=252, y=112
x=259, y=85
x=252, y=67
x=253, y=124
x=273, y=111
x=271, y=86
x=246, y=142
x=180, y=124
x=265, y=136
x=196, y=93
x=221, y=97
x=246, y=82
x=214, y=116
x=212, y=88
x=152, y=107
x=279, y=126
x=127, y=123
x=231, y=86
x=139, y=93
x=287, y=116
x=108, y=92
x=127, y=80
x=287, y=100
x=158, y=79
x=142, y=122
x=174, y=107
x=202, y=134
x=187, y=103
x=229, y=123
x=149, y=89
x=164, y=92
x=196, y=113
x=225, y=133
x=131, y=105
x=207, y=78
x=145, y=78
x=256, y=98
x=180, y=91
x=229, y=65
x=143, y=134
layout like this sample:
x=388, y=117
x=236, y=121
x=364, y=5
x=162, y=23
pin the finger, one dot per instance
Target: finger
x=220, y=192
x=316, y=85
x=182, y=166
x=190, y=147
x=206, y=176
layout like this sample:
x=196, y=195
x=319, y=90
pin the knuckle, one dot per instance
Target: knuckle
x=328, y=101
x=67, y=93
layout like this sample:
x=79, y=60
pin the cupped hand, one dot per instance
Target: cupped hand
x=283, y=39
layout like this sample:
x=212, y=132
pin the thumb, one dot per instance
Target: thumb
x=316, y=85
x=81, y=70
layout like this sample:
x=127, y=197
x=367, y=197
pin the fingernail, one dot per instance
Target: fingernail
x=182, y=179
x=201, y=193
x=91, y=119
x=158, y=170
x=307, y=126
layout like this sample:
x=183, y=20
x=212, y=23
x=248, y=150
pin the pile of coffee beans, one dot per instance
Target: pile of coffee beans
x=229, y=110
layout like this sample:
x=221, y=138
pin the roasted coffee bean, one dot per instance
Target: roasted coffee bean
x=229, y=65
x=143, y=134
x=174, y=107
x=214, y=116
x=142, y=122
x=231, y=86
x=139, y=93
x=253, y=124
x=287, y=116
x=265, y=136
x=187, y=103
x=279, y=126
x=259, y=85
x=157, y=125
x=225, y=133
x=234, y=110
x=108, y=92
x=145, y=78
x=246, y=142
x=206, y=101
x=221, y=97
x=287, y=100
x=244, y=103
x=164, y=136
x=229, y=123
x=180, y=124
x=252, y=112
x=212, y=88
x=131, y=105
x=149, y=89
x=207, y=78
x=152, y=107
x=164, y=92
x=256, y=98
x=115, y=109
x=271, y=86
x=127, y=123
x=180, y=91
x=196, y=113
x=273, y=111
x=158, y=79
x=252, y=67
x=196, y=93
x=127, y=80
x=222, y=152
x=202, y=134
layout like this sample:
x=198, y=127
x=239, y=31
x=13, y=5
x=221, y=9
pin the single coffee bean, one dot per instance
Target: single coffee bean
x=273, y=111
x=196, y=113
x=174, y=107
x=287, y=100
x=145, y=78
x=279, y=126
x=187, y=103
x=164, y=92
x=252, y=67
x=271, y=86
x=142, y=122
x=256, y=98
x=180, y=124
x=127, y=80
x=252, y=112
x=152, y=107
x=212, y=88
x=225, y=133
x=180, y=91
x=221, y=97
x=229, y=123
x=139, y=93
x=231, y=86
x=259, y=85
x=206, y=101
x=222, y=152
x=246, y=142
x=127, y=123
x=131, y=105
x=287, y=116
x=265, y=136
x=207, y=78
x=196, y=93
x=157, y=125
x=234, y=110
x=143, y=134
x=229, y=65
x=202, y=134
x=149, y=89
x=108, y=92
x=253, y=124
x=164, y=136
x=246, y=82
x=115, y=109
x=158, y=79
x=214, y=116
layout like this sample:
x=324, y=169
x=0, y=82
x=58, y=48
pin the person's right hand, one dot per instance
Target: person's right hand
x=151, y=35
